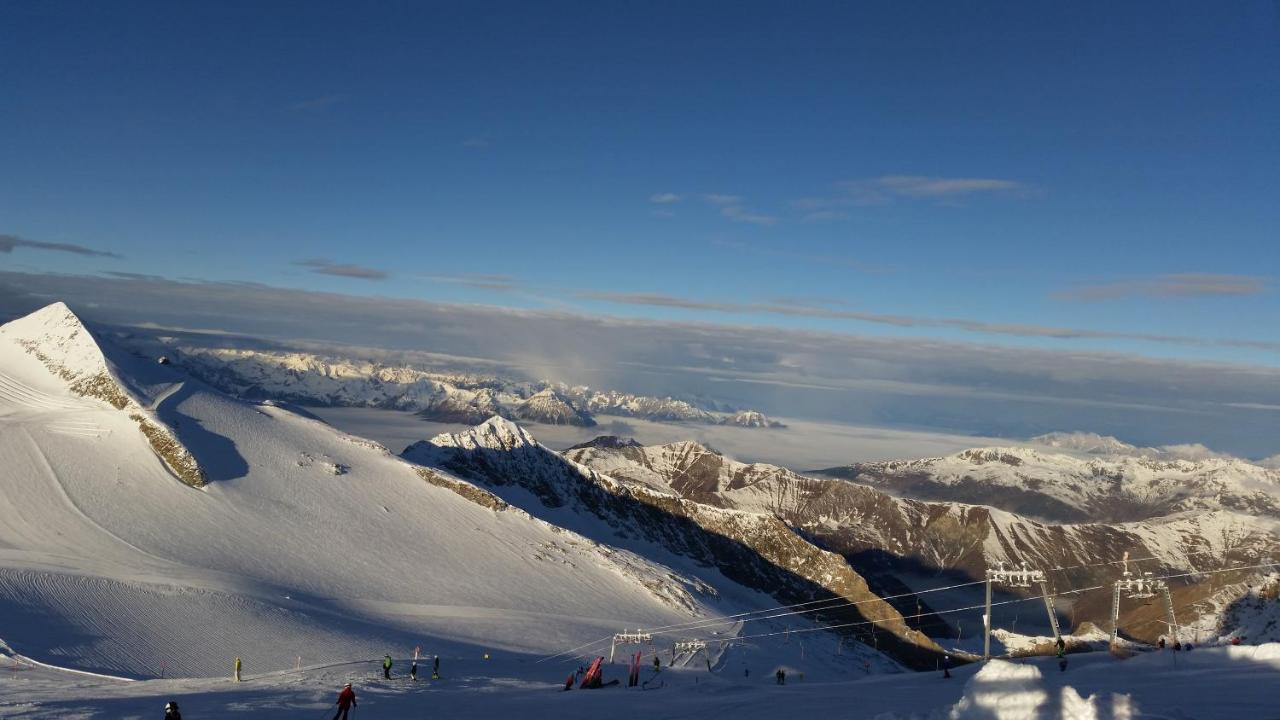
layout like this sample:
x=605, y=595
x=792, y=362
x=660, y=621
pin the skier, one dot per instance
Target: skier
x=781, y=676
x=946, y=666
x=1161, y=643
x=386, y=666
x=1062, y=646
x=413, y=670
x=1177, y=645
x=171, y=711
x=346, y=701
x=237, y=669
x=435, y=668
x=657, y=664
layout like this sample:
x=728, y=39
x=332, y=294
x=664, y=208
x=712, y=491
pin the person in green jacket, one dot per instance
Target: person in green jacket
x=237, y=669
x=386, y=666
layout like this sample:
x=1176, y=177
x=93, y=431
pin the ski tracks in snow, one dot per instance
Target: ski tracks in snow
x=19, y=393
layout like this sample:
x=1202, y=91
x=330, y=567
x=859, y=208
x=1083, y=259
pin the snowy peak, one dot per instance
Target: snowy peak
x=551, y=408
x=607, y=442
x=750, y=419
x=496, y=433
x=1063, y=486
x=59, y=339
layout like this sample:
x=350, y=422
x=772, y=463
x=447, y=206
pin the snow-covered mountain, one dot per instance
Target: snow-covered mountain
x=551, y=408
x=1063, y=487
x=308, y=378
x=298, y=540
x=887, y=537
x=754, y=549
x=750, y=419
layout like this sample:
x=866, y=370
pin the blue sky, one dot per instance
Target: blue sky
x=1068, y=176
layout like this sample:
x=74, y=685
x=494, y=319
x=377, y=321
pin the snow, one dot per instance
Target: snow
x=1205, y=684
x=310, y=546
x=113, y=565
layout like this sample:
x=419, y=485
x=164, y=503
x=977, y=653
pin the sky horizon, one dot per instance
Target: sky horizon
x=1059, y=183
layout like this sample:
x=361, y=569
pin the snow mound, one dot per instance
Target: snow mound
x=1008, y=691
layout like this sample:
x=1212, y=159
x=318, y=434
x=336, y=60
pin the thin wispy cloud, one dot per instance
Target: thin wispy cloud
x=732, y=209
x=326, y=267
x=738, y=214
x=133, y=276
x=967, y=325
x=484, y=281
x=921, y=186
x=888, y=189
x=317, y=103
x=9, y=243
x=665, y=198
x=1178, y=285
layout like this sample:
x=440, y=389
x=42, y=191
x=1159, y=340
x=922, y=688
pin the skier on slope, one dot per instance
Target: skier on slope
x=346, y=701
x=413, y=670
x=386, y=666
x=171, y=711
x=435, y=668
x=657, y=664
x=781, y=676
x=946, y=666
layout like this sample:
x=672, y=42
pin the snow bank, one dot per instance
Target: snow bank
x=1008, y=691
x=1002, y=690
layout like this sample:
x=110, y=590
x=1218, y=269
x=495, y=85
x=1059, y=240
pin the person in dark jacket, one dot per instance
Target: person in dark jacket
x=946, y=666
x=781, y=676
x=346, y=701
x=435, y=668
x=171, y=711
x=413, y=670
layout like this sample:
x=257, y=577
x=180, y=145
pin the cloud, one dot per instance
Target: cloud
x=475, y=142
x=1179, y=285
x=887, y=189
x=665, y=198
x=483, y=281
x=317, y=103
x=133, y=275
x=963, y=387
x=967, y=325
x=9, y=242
x=325, y=267
x=920, y=186
x=737, y=214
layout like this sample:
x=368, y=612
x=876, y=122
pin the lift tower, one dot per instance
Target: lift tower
x=1140, y=587
x=1023, y=577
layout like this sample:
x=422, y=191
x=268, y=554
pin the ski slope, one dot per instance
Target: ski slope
x=304, y=541
x=1209, y=683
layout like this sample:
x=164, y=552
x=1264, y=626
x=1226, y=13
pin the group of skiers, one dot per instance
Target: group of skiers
x=413, y=668
x=1178, y=646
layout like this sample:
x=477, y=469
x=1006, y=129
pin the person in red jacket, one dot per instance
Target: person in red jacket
x=346, y=701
